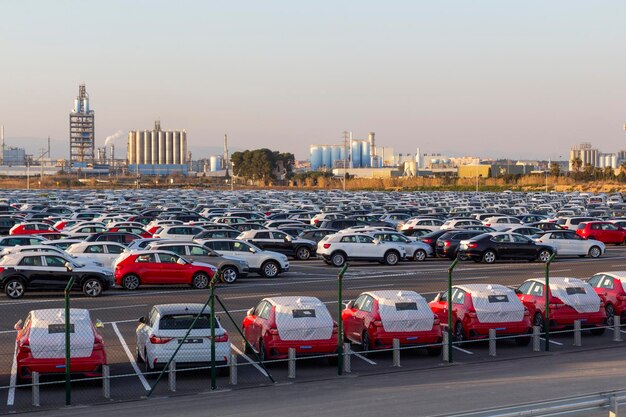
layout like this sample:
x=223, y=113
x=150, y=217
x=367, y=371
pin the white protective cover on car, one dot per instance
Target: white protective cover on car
x=403, y=320
x=44, y=344
x=317, y=327
x=589, y=302
x=489, y=309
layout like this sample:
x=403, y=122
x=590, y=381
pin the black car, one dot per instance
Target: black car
x=416, y=232
x=490, y=247
x=278, y=241
x=242, y=227
x=340, y=224
x=447, y=245
x=317, y=234
x=431, y=238
x=123, y=238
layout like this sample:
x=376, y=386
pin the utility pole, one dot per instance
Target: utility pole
x=345, y=157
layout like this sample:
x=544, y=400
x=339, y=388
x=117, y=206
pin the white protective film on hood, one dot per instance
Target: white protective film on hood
x=575, y=293
x=495, y=303
x=302, y=318
x=47, y=333
x=403, y=311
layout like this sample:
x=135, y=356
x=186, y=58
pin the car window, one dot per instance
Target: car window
x=458, y=296
x=521, y=239
x=146, y=257
x=94, y=249
x=55, y=261
x=556, y=236
x=525, y=287
x=607, y=282
x=31, y=261
x=114, y=249
x=264, y=311
x=365, y=239
x=179, y=249
x=609, y=226
x=359, y=301
x=537, y=289
x=279, y=235
x=398, y=238
x=198, y=251
x=366, y=305
x=152, y=317
x=166, y=258
x=501, y=238
x=241, y=247
x=349, y=239
x=262, y=235
x=594, y=281
x=184, y=322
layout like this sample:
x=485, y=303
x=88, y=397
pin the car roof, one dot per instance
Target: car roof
x=57, y=315
x=294, y=301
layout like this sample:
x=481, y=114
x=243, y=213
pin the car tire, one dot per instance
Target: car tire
x=420, y=255
x=392, y=257
x=131, y=282
x=338, y=259
x=303, y=253
x=365, y=342
x=594, y=252
x=230, y=274
x=544, y=255
x=539, y=321
x=489, y=257
x=610, y=314
x=92, y=287
x=459, y=333
x=14, y=288
x=270, y=269
x=200, y=281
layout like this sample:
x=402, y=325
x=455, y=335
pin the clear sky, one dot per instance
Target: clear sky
x=491, y=78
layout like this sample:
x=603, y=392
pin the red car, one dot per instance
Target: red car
x=375, y=318
x=605, y=232
x=34, y=228
x=280, y=323
x=570, y=299
x=611, y=287
x=41, y=344
x=161, y=268
x=136, y=230
x=476, y=308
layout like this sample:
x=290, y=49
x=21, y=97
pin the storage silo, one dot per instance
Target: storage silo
x=132, y=145
x=176, y=147
x=613, y=161
x=168, y=147
x=335, y=155
x=161, y=137
x=183, y=147
x=326, y=155
x=139, y=148
x=366, y=162
x=316, y=157
x=154, y=144
x=147, y=147
x=356, y=153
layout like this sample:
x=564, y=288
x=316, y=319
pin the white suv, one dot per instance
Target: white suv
x=263, y=262
x=341, y=247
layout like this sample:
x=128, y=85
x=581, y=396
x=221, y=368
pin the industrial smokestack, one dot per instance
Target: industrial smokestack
x=372, y=142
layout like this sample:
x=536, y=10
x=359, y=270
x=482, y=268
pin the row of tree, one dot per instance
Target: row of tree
x=262, y=165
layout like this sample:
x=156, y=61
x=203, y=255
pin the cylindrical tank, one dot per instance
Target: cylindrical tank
x=365, y=154
x=316, y=157
x=356, y=154
x=335, y=152
x=76, y=105
x=154, y=144
x=139, y=151
x=86, y=105
x=342, y=153
x=216, y=163
x=161, y=137
x=613, y=161
x=132, y=145
x=327, y=156
x=147, y=147
x=377, y=162
x=183, y=147
x=168, y=147
x=176, y=147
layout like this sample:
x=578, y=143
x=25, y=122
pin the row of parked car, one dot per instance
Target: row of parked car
x=304, y=323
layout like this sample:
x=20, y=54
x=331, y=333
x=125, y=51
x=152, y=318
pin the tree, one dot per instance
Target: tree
x=609, y=173
x=262, y=164
x=622, y=167
x=555, y=169
x=577, y=164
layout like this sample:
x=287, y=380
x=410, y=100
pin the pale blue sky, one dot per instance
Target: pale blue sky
x=493, y=78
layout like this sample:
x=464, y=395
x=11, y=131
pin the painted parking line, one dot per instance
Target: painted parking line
x=247, y=358
x=13, y=382
x=117, y=307
x=463, y=350
x=132, y=360
x=553, y=342
x=371, y=362
x=251, y=296
x=372, y=286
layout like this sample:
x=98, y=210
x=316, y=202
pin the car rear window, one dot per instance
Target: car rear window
x=575, y=290
x=406, y=306
x=184, y=321
x=500, y=298
x=59, y=328
x=301, y=313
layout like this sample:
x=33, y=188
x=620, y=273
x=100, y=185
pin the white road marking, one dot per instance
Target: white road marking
x=117, y=307
x=372, y=286
x=7, y=331
x=252, y=296
x=552, y=341
x=11, y=396
x=463, y=350
x=371, y=362
x=121, y=321
x=132, y=360
x=246, y=357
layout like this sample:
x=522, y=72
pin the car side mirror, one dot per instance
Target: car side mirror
x=69, y=266
x=18, y=326
x=288, y=238
x=99, y=324
x=142, y=319
x=250, y=312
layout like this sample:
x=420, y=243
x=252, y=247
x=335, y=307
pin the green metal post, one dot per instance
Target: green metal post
x=339, y=320
x=546, y=323
x=212, y=306
x=68, y=382
x=450, y=330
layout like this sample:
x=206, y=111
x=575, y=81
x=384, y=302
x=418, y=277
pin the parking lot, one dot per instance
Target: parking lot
x=119, y=310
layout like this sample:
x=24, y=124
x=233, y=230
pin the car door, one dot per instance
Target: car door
x=558, y=241
x=262, y=239
x=533, y=296
x=503, y=245
x=97, y=252
x=145, y=329
x=148, y=268
x=172, y=272
x=523, y=247
x=259, y=323
x=57, y=271
x=368, y=247
x=613, y=233
x=113, y=252
x=36, y=272
x=440, y=307
x=281, y=243
x=362, y=317
x=349, y=318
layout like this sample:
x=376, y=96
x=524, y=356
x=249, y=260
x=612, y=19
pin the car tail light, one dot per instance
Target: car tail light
x=24, y=345
x=427, y=240
x=1, y=269
x=222, y=338
x=621, y=297
x=472, y=245
x=488, y=225
x=98, y=343
x=471, y=314
x=377, y=323
x=315, y=220
x=446, y=243
x=156, y=340
x=273, y=332
x=556, y=305
x=565, y=227
x=326, y=245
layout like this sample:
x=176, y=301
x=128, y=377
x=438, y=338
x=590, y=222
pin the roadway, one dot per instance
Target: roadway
x=119, y=310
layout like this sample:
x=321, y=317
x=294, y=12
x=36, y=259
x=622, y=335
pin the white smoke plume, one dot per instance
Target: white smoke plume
x=112, y=137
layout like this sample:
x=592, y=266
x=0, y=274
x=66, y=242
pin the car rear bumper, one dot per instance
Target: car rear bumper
x=279, y=349
x=90, y=367
x=478, y=330
x=567, y=318
x=384, y=340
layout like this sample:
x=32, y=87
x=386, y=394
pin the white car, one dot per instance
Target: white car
x=422, y=223
x=339, y=248
x=82, y=231
x=568, y=243
x=502, y=222
x=161, y=332
x=265, y=263
x=456, y=223
x=178, y=232
x=415, y=249
x=104, y=252
x=49, y=249
x=320, y=217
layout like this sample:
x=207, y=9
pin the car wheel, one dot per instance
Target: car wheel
x=544, y=255
x=270, y=269
x=92, y=287
x=459, y=333
x=365, y=342
x=538, y=321
x=230, y=274
x=419, y=255
x=392, y=257
x=14, y=288
x=303, y=253
x=489, y=257
x=595, y=252
x=261, y=350
x=130, y=282
x=610, y=314
x=338, y=259
x=200, y=281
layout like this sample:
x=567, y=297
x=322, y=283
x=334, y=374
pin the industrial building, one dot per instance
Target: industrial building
x=591, y=156
x=82, y=130
x=355, y=153
x=157, y=152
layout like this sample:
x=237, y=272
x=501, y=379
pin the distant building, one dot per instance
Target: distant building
x=158, y=152
x=82, y=131
x=587, y=154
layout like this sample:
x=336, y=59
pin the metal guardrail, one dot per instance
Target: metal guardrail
x=569, y=406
